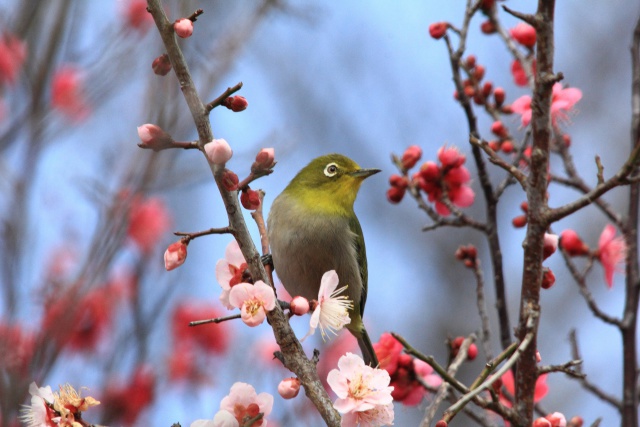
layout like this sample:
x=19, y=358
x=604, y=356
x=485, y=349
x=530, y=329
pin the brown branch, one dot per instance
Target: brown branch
x=215, y=320
x=482, y=310
x=294, y=356
x=187, y=145
x=498, y=161
x=193, y=235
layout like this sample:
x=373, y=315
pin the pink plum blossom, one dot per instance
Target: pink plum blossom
x=39, y=413
x=229, y=271
x=149, y=219
x=361, y=388
x=223, y=418
x=254, y=301
x=562, y=102
x=289, y=388
x=218, y=151
x=183, y=27
x=611, y=252
x=243, y=401
x=175, y=255
x=557, y=419
x=380, y=415
x=332, y=311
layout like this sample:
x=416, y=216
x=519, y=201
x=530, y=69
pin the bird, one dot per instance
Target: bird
x=312, y=228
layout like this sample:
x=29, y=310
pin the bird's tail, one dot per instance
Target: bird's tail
x=368, y=354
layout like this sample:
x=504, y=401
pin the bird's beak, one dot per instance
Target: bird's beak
x=364, y=173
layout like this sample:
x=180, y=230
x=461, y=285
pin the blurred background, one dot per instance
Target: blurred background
x=86, y=215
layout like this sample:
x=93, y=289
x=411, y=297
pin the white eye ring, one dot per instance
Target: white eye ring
x=331, y=170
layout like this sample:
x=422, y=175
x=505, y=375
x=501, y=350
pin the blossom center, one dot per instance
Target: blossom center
x=253, y=306
x=237, y=273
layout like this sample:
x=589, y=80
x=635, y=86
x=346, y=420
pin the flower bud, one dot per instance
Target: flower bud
x=486, y=5
x=153, y=137
x=499, y=129
x=472, y=353
x=478, y=72
x=442, y=423
x=161, y=65
x=573, y=244
x=250, y=199
x=395, y=194
x=557, y=419
x=236, y=103
x=230, y=180
x=519, y=221
x=538, y=357
x=486, y=89
x=550, y=245
x=429, y=171
x=494, y=145
x=576, y=422
x=524, y=34
x=437, y=30
x=524, y=206
x=498, y=96
x=183, y=27
x=411, y=156
x=541, y=422
x=218, y=151
x=299, y=306
x=567, y=140
x=548, y=278
x=289, y=388
x=265, y=160
x=470, y=91
x=398, y=181
x=175, y=255
x=470, y=61
x=451, y=157
x=507, y=147
x=487, y=27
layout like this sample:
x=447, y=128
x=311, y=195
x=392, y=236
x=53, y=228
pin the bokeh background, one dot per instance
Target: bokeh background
x=360, y=78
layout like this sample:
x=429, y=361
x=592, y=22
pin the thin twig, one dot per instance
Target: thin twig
x=219, y=100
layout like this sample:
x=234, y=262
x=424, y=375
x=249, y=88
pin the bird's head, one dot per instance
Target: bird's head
x=329, y=183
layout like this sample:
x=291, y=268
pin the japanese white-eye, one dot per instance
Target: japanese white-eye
x=313, y=228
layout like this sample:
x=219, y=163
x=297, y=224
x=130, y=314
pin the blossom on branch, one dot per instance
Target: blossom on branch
x=289, y=388
x=611, y=252
x=562, y=102
x=47, y=408
x=218, y=151
x=363, y=392
x=572, y=244
x=332, y=309
x=244, y=403
x=524, y=34
x=154, y=137
x=183, y=27
x=175, y=255
x=230, y=271
x=254, y=301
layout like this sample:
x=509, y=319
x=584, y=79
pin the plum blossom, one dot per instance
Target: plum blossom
x=562, y=102
x=183, y=27
x=364, y=394
x=540, y=391
x=332, y=310
x=572, y=244
x=611, y=252
x=229, y=271
x=222, y=418
x=175, y=255
x=218, y=151
x=254, y=301
x=39, y=413
x=60, y=408
x=244, y=403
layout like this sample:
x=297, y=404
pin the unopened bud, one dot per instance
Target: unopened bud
x=250, y=199
x=430, y=171
x=487, y=27
x=398, y=181
x=486, y=89
x=230, y=180
x=548, y=278
x=289, y=388
x=411, y=156
x=576, y=422
x=499, y=129
x=524, y=34
x=299, y=306
x=236, y=103
x=498, y=96
x=519, y=221
x=161, y=65
x=152, y=136
x=573, y=244
x=442, y=423
x=438, y=30
x=494, y=145
x=478, y=72
x=507, y=147
x=567, y=140
x=183, y=27
x=218, y=151
x=524, y=206
x=550, y=245
x=471, y=61
x=395, y=194
x=265, y=160
x=175, y=255
x=472, y=353
x=541, y=422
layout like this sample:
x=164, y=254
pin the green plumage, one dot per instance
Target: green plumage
x=313, y=229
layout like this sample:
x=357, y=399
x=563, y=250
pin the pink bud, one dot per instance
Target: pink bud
x=289, y=388
x=183, y=27
x=137, y=15
x=250, y=199
x=152, y=136
x=451, y=157
x=557, y=419
x=236, y=103
x=486, y=89
x=550, y=245
x=437, y=30
x=478, y=72
x=472, y=353
x=541, y=422
x=411, y=156
x=573, y=244
x=524, y=34
x=218, y=151
x=471, y=61
x=175, y=255
x=430, y=171
x=229, y=180
x=161, y=65
x=395, y=194
x=299, y=306
x=265, y=160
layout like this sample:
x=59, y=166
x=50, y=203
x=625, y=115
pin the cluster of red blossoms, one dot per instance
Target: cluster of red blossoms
x=404, y=371
x=444, y=182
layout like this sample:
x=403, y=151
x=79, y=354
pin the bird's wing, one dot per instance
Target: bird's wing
x=361, y=255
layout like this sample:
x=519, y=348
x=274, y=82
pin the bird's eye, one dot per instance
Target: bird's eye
x=331, y=169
